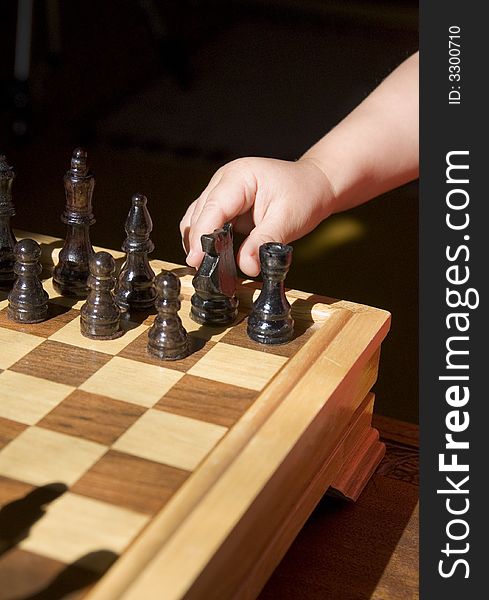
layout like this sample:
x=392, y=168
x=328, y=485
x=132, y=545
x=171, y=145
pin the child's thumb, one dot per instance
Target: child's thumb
x=248, y=255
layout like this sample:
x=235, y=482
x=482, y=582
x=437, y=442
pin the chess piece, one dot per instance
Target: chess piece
x=28, y=301
x=71, y=273
x=7, y=238
x=214, y=301
x=167, y=338
x=270, y=321
x=100, y=315
x=135, y=286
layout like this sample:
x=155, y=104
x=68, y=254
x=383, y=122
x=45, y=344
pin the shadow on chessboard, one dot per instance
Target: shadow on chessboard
x=47, y=261
x=16, y=520
x=18, y=516
x=76, y=577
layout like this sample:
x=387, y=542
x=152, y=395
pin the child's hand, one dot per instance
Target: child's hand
x=271, y=200
x=374, y=149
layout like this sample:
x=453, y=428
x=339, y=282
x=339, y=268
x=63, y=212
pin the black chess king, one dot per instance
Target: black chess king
x=71, y=273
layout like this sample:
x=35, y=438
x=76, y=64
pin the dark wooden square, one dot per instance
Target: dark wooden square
x=207, y=400
x=11, y=490
x=62, y=363
x=9, y=430
x=58, y=317
x=92, y=417
x=137, y=350
x=135, y=483
x=25, y=574
x=303, y=330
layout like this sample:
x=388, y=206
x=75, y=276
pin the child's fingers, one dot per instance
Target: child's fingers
x=248, y=255
x=185, y=225
x=226, y=201
x=194, y=209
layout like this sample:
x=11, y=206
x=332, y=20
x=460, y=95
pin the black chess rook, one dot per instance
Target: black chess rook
x=7, y=238
x=135, y=286
x=100, y=315
x=28, y=301
x=167, y=338
x=71, y=273
x=214, y=301
x=270, y=321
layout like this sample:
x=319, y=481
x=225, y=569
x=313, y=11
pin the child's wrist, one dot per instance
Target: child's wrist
x=329, y=199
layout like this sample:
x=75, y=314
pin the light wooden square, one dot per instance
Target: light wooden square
x=75, y=526
x=170, y=439
x=40, y=238
x=117, y=254
x=40, y=456
x=27, y=399
x=131, y=381
x=14, y=345
x=70, y=334
x=162, y=265
x=238, y=366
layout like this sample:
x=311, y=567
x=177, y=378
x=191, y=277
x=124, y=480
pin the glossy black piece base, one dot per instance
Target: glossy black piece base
x=222, y=311
x=279, y=332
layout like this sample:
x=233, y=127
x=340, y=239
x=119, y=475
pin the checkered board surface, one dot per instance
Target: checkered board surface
x=96, y=436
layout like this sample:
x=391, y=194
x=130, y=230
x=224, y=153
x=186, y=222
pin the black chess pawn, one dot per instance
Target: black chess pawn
x=28, y=301
x=71, y=273
x=214, y=301
x=135, y=286
x=100, y=315
x=167, y=338
x=270, y=321
x=7, y=238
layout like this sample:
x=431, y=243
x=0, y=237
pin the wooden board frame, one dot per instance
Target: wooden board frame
x=226, y=528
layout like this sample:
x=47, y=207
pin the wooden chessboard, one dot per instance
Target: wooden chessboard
x=189, y=478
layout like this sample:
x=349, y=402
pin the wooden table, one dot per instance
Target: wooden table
x=366, y=550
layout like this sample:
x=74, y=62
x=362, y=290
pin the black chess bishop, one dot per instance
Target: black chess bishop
x=7, y=238
x=270, y=321
x=100, y=315
x=71, y=273
x=215, y=301
x=167, y=338
x=135, y=286
x=28, y=301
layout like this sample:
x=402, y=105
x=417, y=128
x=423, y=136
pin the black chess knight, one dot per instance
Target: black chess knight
x=270, y=321
x=71, y=273
x=135, y=287
x=100, y=315
x=28, y=301
x=214, y=301
x=167, y=338
x=7, y=239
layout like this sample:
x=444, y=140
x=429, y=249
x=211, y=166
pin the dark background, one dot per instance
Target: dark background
x=163, y=93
